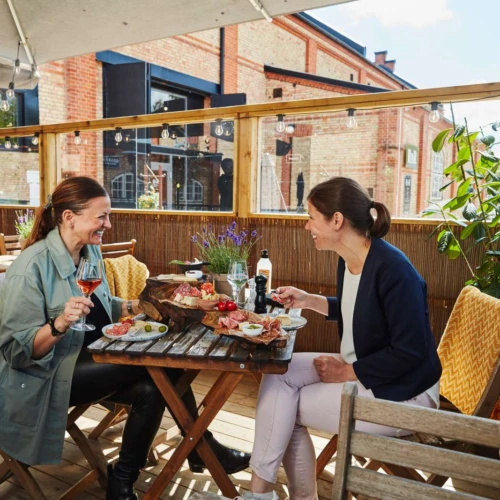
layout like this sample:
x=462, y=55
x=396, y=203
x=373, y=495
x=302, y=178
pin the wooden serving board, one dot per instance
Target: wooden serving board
x=156, y=301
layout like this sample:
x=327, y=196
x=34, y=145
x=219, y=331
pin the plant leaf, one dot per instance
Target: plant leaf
x=453, y=250
x=469, y=212
x=442, y=188
x=464, y=153
x=459, y=131
x=464, y=187
x=444, y=240
x=468, y=230
x=488, y=140
x=438, y=142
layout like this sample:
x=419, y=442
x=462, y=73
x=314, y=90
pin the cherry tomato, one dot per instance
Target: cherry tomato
x=222, y=306
x=231, y=306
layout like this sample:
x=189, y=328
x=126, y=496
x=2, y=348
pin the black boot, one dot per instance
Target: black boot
x=231, y=460
x=121, y=489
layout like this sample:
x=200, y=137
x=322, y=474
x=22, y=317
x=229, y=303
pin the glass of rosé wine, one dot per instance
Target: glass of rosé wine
x=88, y=278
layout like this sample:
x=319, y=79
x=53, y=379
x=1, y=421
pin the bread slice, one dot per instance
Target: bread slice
x=284, y=319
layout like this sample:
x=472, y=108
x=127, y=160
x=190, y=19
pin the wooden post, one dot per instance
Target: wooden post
x=49, y=165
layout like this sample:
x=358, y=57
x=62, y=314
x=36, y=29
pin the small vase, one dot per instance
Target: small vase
x=221, y=285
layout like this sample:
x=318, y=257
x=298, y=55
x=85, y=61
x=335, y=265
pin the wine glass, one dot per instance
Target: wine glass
x=88, y=278
x=237, y=277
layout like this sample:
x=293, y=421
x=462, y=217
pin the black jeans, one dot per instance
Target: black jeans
x=127, y=385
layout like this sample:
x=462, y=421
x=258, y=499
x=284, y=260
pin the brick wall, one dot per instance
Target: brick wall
x=374, y=152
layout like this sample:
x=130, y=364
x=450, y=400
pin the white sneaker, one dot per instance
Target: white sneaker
x=248, y=495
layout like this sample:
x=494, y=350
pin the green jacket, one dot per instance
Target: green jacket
x=34, y=393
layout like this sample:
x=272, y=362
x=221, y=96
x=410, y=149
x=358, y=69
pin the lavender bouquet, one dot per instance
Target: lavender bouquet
x=221, y=249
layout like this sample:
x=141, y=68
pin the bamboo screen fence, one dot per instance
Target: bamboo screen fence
x=162, y=238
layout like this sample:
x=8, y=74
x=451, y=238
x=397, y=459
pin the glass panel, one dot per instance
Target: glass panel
x=20, y=169
x=389, y=151
x=188, y=167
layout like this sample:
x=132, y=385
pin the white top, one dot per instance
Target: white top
x=349, y=293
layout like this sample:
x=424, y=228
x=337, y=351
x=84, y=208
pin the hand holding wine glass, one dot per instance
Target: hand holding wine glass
x=88, y=278
x=237, y=277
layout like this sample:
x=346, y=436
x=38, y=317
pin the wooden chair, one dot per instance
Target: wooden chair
x=470, y=355
x=12, y=467
x=441, y=462
x=113, y=250
x=9, y=244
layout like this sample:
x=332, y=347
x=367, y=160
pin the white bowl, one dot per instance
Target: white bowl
x=194, y=274
x=252, y=330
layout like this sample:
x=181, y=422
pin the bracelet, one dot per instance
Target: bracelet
x=130, y=310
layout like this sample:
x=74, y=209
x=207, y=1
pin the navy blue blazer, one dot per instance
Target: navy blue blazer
x=395, y=348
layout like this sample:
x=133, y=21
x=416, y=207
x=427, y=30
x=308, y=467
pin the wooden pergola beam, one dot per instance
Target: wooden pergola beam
x=364, y=101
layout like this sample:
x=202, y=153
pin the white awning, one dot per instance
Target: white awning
x=58, y=29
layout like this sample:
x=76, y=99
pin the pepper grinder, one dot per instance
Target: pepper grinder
x=260, y=297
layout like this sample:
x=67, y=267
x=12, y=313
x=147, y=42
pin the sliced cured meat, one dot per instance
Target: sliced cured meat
x=119, y=329
x=276, y=298
x=238, y=316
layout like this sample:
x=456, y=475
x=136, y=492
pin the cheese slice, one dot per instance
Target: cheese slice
x=284, y=319
x=241, y=325
x=190, y=301
x=183, y=278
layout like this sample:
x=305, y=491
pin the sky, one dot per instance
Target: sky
x=436, y=43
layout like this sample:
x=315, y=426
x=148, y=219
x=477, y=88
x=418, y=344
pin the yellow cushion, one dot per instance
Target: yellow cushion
x=470, y=348
x=126, y=276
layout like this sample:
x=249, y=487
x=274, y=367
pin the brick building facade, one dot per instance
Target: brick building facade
x=294, y=57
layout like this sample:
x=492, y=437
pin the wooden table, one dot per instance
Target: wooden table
x=194, y=350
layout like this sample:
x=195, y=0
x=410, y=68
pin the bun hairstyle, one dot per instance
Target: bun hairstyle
x=72, y=194
x=344, y=195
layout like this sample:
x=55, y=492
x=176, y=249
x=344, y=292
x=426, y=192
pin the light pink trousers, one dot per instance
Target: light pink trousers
x=286, y=406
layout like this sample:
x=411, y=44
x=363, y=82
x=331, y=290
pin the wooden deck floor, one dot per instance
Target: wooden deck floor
x=234, y=426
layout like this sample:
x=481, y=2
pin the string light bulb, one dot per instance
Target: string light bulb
x=351, y=119
x=34, y=71
x=280, y=126
x=78, y=139
x=228, y=131
x=434, y=116
x=164, y=132
x=173, y=136
x=7, y=143
x=290, y=129
x=127, y=138
x=118, y=134
x=35, y=139
x=4, y=103
x=15, y=145
x=219, y=129
x=17, y=66
x=10, y=93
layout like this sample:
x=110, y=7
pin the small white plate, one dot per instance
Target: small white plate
x=297, y=322
x=138, y=336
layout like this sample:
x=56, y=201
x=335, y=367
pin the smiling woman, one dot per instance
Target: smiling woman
x=39, y=335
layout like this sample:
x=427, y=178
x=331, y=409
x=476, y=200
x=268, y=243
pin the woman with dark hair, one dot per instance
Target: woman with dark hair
x=387, y=346
x=44, y=364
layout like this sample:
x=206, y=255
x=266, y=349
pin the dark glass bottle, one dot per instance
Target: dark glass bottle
x=260, y=291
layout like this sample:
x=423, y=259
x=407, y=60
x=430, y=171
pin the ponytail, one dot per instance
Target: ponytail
x=381, y=225
x=43, y=224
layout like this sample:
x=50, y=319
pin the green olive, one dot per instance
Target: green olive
x=162, y=329
x=148, y=328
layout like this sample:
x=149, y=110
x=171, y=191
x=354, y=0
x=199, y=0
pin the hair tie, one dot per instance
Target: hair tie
x=372, y=204
x=49, y=205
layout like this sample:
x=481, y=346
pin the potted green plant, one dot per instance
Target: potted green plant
x=475, y=207
x=222, y=248
x=150, y=199
x=24, y=224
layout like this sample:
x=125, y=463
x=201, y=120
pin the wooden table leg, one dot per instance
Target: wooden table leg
x=194, y=429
